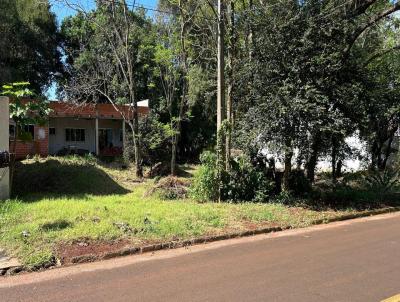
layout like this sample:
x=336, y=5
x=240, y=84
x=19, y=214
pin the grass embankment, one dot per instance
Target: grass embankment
x=61, y=202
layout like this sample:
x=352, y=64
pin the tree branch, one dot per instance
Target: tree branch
x=374, y=19
x=380, y=54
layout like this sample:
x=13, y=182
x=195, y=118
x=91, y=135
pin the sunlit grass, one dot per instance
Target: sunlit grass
x=31, y=226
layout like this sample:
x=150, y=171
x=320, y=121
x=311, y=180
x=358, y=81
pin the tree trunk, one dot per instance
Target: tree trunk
x=175, y=139
x=136, y=144
x=229, y=99
x=333, y=158
x=184, y=62
x=173, y=155
x=374, y=156
x=250, y=34
x=220, y=94
x=339, y=167
x=387, y=153
x=288, y=167
x=13, y=157
x=313, y=158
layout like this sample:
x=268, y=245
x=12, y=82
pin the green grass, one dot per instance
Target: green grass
x=49, y=215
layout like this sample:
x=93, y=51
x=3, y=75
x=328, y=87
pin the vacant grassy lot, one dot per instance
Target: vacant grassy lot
x=61, y=202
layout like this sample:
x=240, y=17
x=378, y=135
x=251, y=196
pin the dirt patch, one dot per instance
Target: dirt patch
x=170, y=188
x=251, y=226
x=67, y=251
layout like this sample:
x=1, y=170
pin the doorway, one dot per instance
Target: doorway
x=105, y=138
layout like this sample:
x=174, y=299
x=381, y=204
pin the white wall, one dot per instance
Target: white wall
x=4, y=145
x=58, y=142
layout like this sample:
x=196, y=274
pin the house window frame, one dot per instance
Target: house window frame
x=11, y=133
x=75, y=140
x=50, y=130
x=27, y=128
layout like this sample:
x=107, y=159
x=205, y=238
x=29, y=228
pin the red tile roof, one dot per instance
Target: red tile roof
x=65, y=109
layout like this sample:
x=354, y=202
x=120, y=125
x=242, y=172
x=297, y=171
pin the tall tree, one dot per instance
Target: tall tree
x=309, y=86
x=107, y=54
x=29, y=42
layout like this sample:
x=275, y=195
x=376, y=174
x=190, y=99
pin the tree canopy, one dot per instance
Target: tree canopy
x=29, y=43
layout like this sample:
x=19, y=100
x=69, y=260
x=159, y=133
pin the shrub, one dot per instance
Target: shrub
x=246, y=182
x=205, y=183
x=383, y=182
x=243, y=182
x=299, y=185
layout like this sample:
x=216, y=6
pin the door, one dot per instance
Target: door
x=105, y=138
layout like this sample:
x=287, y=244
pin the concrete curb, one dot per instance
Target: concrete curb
x=202, y=240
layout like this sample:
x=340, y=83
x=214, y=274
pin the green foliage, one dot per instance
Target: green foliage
x=205, y=183
x=299, y=185
x=93, y=46
x=155, y=140
x=313, y=89
x=362, y=190
x=24, y=111
x=243, y=182
x=29, y=43
x=383, y=182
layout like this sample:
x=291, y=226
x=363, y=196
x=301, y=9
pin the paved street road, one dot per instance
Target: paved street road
x=356, y=260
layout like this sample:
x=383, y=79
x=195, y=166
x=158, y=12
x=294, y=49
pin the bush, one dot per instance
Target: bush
x=360, y=190
x=243, y=182
x=246, y=183
x=205, y=183
x=383, y=182
x=155, y=142
x=299, y=185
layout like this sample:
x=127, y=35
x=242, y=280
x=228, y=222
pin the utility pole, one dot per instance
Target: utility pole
x=220, y=94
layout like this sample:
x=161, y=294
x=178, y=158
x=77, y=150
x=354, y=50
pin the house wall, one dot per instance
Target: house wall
x=58, y=141
x=4, y=145
x=38, y=146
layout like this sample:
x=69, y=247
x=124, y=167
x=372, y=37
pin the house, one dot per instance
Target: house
x=87, y=128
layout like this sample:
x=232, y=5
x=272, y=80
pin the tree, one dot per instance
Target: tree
x=29, y=43
x=176, y=66
x=24, y=111
x=107, y=54
x=169, y=71
x=303, y=84
x=379, y=56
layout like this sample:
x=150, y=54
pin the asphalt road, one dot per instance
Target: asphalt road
x=356, y=260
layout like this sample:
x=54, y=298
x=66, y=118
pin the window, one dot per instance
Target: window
x=30, y=129
x=74, y=135
x=11, y=130
x=52, y=131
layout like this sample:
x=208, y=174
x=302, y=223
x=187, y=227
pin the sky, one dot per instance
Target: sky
x=62, y=11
